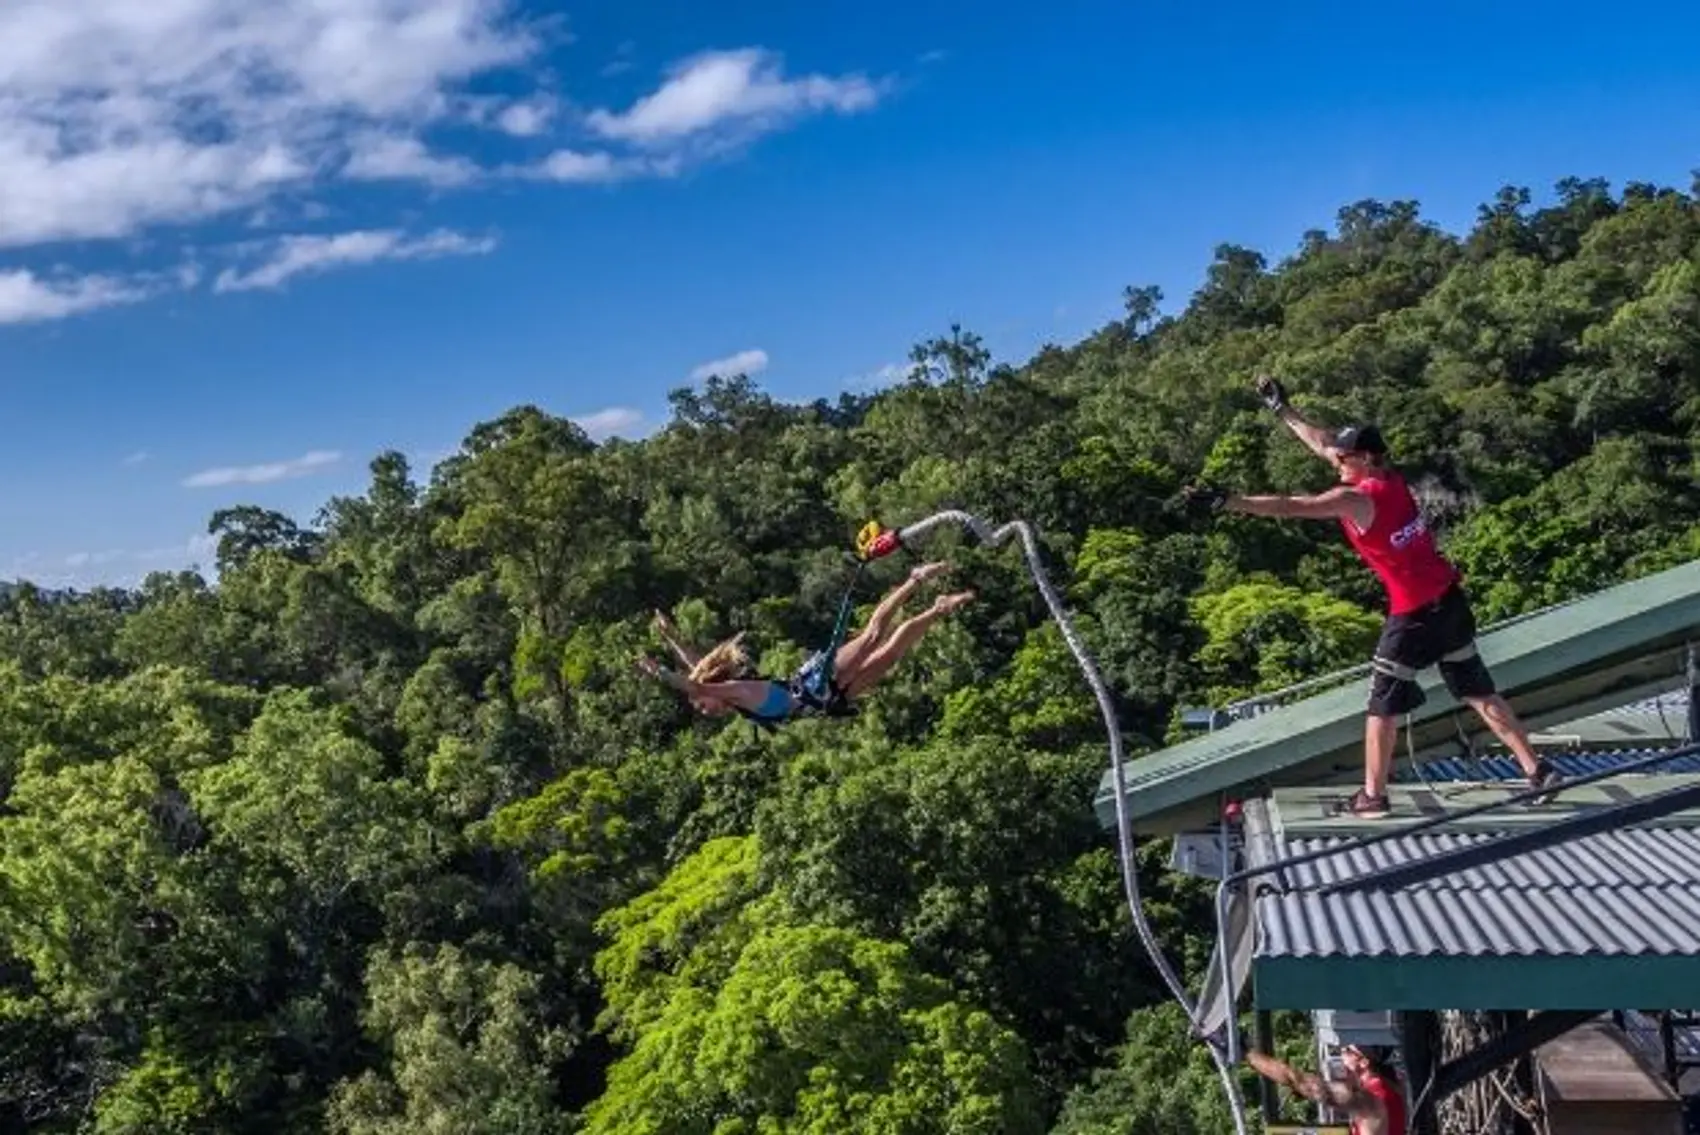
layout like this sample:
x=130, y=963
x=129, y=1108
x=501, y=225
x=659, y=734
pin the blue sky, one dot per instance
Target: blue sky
x=269, y=247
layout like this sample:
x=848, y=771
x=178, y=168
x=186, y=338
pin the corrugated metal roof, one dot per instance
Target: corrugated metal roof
x=1630, y=892
x=1635, y=857
x=1503, y=767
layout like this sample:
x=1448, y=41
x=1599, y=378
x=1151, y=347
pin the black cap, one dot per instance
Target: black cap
x=1360, y=439
x=1378, y=1056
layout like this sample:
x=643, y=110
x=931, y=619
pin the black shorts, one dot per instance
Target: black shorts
x=1442, y=634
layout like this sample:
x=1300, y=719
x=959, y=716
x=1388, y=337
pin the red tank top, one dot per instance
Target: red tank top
x=1398, y=546
x=1391, y=1098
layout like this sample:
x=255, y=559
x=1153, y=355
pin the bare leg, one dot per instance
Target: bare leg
x=879, y=623
x=1498, y=715
x=878, y=664
x=1381, y=731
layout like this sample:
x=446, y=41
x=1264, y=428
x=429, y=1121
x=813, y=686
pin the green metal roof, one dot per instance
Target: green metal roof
x=1576, y=659
x=1449, y=982
x=1598, y=922
x=1306, y=811
x=1627, y=729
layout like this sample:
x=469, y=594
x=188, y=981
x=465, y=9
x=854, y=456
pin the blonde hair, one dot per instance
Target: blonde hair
x=727, y=660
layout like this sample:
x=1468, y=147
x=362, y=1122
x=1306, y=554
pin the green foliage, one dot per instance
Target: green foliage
x=1158, y=1084
x=470, y=1050
x=816, y=1030
x=312, y=812
x=90, y=885
x=163, y=1093
x=386, y=832
x=681, y=933
x=979, y=856
x=1279, y=635
x=1042, y=701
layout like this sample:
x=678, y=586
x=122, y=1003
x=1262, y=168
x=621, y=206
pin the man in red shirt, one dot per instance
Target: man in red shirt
x=1429, y=620
x=1368, y=1093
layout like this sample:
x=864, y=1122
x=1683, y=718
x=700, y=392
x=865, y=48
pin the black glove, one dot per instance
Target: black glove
x=1274, y=395
x=1203, y=498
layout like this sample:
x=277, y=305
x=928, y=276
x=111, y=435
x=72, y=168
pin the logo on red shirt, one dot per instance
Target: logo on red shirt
x=1398, y=545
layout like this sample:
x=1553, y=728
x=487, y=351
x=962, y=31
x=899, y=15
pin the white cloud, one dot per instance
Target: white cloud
x=574, y=166
x=622, y=61
x=396, y=157
x=116, y=115
x=887, y=375
x=200, y=545
x=137, y=457
x=295, y=255
x=110, y=567
x=27, y=298
x=315, y=461
x=120, y=118
x=743, y=92
x=744, y=362
x=527, y=119
x=615, y=421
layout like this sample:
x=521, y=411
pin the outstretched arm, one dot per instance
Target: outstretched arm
x=668, y=678
x=1307, y=1084
x=744, y=693
x=1342, y=501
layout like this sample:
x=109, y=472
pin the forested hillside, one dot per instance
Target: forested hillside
x=383, y=831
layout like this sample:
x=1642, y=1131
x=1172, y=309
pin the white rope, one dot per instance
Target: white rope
x=1488, y=1105
x=992, y=537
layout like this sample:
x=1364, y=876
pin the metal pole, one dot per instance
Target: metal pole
x=1419, y=1037
x=1263, y=1026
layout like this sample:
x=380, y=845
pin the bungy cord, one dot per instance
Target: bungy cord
x=992, y=537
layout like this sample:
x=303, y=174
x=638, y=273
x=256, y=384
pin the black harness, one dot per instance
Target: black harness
x=814, y=687
x=814, y=692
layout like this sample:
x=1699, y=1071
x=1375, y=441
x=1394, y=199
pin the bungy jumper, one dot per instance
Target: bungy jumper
x=874, y=542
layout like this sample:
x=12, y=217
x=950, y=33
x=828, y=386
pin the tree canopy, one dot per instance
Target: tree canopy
x=380, y=829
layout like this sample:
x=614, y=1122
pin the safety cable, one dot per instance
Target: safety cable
x=992, y=537
x=1469, y=751
x=841, y=628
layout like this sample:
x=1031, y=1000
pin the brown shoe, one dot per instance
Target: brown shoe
x=1547, y=777
x=1366, y=807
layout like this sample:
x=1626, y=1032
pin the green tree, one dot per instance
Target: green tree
x=468, y=1050
x=815, y=1030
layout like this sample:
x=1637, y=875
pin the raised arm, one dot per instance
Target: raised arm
x=664, y=627
x=1334, y=1093
x=1315, y=438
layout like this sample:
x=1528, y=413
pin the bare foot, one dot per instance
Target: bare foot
x=945, y=604
x=923, y=572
